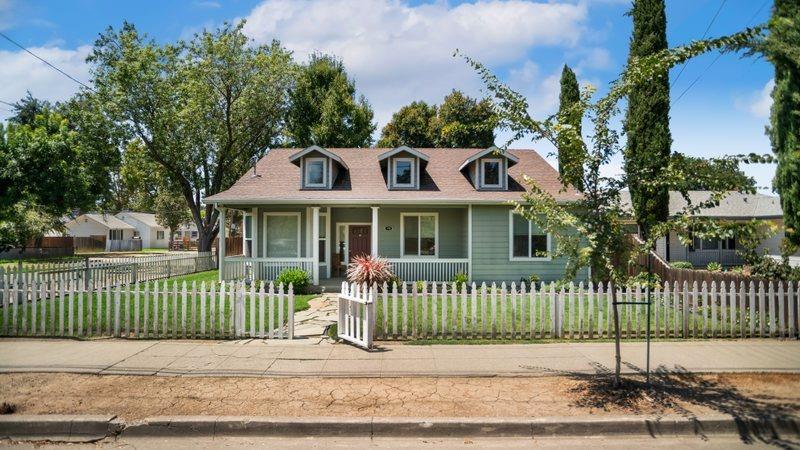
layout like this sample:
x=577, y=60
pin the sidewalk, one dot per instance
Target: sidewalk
x=320, y=358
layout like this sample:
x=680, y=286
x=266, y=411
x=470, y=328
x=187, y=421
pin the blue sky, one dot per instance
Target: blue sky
x=400, y=51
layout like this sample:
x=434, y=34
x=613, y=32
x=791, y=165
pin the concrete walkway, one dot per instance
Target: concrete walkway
x=321, y=358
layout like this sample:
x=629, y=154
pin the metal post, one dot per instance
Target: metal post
x=649, y=276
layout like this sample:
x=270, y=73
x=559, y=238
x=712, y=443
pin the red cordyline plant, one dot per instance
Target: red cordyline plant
x=370, y=270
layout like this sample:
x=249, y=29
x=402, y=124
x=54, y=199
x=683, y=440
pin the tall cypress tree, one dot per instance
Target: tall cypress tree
x=571, y=152
x=781, y=47
x=647, y=120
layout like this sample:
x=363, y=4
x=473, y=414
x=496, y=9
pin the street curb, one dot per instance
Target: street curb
x=78, y=428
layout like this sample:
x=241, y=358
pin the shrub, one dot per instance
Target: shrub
x=299, y=279
x=369, y=270
x=714, y=266
x=394, y=279
x=775, y=269
x=460, y=279
x=641, y=279
x=532, y=279
x=681, y=265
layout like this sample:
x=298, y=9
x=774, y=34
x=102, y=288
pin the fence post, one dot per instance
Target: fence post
x=134, y=272
x=238, y=316
x=86, y=273
x=169, y=269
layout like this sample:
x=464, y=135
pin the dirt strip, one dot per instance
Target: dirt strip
x=132, y=397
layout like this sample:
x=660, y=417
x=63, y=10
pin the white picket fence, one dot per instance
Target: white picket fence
x=109, y=271
x=356, y=322
x=583, y=311
x=148, y=310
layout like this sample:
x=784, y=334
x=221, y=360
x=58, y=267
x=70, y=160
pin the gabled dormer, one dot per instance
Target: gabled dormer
x=403, y=167
x=319, y=168
x=488, y=169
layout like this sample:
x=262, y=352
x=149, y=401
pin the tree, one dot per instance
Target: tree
x=201, y=109
x=589, y=231
x=27, y=108
x=464, y=122
x=411, y=126
x=570, y=157
x=324, y=109
x=781, y=47
x=647, y=119
x=47, y=170
x=171, y=211
x=703, y=173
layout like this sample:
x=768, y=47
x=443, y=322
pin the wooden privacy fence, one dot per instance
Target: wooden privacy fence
x=148, y=311
x=124, y=245
x=101, y=272
x=583, y=311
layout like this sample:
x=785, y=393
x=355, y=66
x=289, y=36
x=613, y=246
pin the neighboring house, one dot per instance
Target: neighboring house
x=735, y=206
x=432, y=212
x=100, y=225
x=188, y=231
x=148, y=230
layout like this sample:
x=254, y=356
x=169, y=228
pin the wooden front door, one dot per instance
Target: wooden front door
x=359, y=241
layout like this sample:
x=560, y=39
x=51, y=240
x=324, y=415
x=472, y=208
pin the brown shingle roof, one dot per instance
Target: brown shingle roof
x=279, y=180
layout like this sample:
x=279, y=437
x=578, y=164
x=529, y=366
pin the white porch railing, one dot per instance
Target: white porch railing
x=267, y=269
x=428, y=269
x=357, y=314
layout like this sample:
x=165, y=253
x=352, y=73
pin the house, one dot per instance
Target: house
x=147, y=227
x=432, y=212
x=105, y=228
x=736, y=206
x=188, y=231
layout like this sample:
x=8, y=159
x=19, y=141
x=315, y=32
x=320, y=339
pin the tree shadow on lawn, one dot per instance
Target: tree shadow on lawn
x=670, y=389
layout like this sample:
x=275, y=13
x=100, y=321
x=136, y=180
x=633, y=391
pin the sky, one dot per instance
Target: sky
x=399, y=51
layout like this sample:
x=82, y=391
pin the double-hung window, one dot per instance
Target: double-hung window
x=159, y=235
x=323, y=238
x=248, y=234
x=282, y=235
x=527, y=241
x=315, y=173
x=115, y=235
x=491, y=170
x=419, y=234
x=403, y=172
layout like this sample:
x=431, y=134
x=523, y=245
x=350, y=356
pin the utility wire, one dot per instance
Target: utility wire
x=713, y=19
x=719, y=55
x=45, y=61
x=9, y=104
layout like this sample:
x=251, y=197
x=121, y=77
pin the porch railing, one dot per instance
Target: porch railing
x=267, y=269
x=434, y=269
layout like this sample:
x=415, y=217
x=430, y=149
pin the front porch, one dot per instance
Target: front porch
x=421, y=243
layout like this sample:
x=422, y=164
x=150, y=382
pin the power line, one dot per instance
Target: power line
x=9, y=104
x=719, y=55
x=713, y=19
x=45, y=61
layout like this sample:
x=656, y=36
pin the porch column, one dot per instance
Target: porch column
x=469, y=243
x=221, y=250
x=254, y=235
x=315, y=243
x=374, y=233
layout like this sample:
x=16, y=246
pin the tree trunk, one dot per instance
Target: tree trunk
x=617, y=353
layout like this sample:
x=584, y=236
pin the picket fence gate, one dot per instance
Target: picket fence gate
x=93, y=272
x=148, y=310
x=582, y=311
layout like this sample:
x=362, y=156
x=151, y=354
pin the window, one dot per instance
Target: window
x=315, y=175
x=711, y=244
x=194, y=234
x=283, y=235
x=248, y=234
x=323, y=237
x=160, y=235
x=115, y=235
x=135, y=234
x=527, y=241
x=404, y=172
x=490, y=172
x=419, y=234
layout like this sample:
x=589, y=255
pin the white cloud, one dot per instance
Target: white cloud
x=760, y=102
x=399, y=53
x=22, y=72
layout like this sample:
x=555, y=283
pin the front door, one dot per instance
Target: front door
x=359, y=240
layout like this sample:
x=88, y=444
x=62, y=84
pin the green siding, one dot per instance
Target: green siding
x=452, y=230
x=490, y=251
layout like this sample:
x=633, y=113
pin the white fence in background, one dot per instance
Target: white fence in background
x=147, y=310
x=239, y=267
x=428, y=269
x=583, y=311
x=356, y=322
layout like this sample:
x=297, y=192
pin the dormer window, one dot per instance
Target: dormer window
x=315, y=172
x=404, y=172
x=319, y=168
x=402, y=167
x=490, y=172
